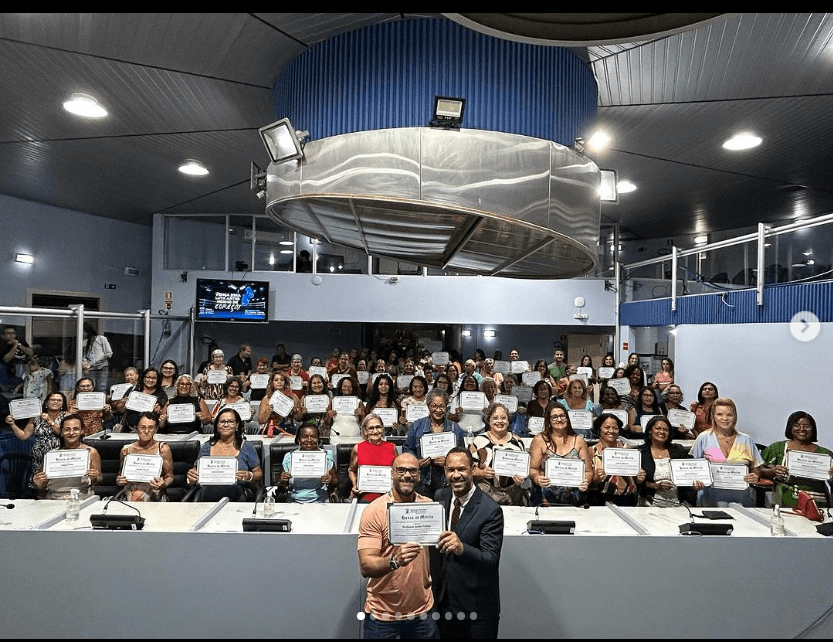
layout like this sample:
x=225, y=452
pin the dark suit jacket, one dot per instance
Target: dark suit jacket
x=469, y=582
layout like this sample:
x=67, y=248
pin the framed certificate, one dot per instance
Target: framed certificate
x=296, y=382
x=523, y=393
x=118, y=391
x=317, y=403
x=621, y=414
x=729, y=476
x=530, y=378
x=142, y=468
x=362, y=376
x=418, y=522
x=503, y=367
x=684, y=472
x=217, y=471
x=510, y=401
x=471, y=400
x=565, y=472
x=345, y=405
x=403, y=381
x=259, y=381
x=58, y=464
x=678, y=417
x=389, y=416
x=374, y=479
x=586, y=372
x=808, y=465
x=217, y=376
x=317, y=370
x=578, y=376
x=581, y=421
x=141, y=402
x=508, y=463
x=243, y=408
x=535, y=425
x=414, y=411
x=620, y=385
x=622, y=461
x=644, y=419
x=281, y=404
x=437, y=444
x=606, y=373
x=308, y=463
x=439, y=358
x=335, y=378
x=517, y=367
x=181, y=413
x=26, y=408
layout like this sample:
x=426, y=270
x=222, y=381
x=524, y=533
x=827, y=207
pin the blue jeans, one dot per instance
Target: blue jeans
x=421, y=627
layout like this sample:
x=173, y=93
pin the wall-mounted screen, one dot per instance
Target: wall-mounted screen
x=231, y=300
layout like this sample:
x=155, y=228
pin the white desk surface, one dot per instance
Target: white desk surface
x=28, y=513
x=306, y=518
x=168, y=517
x=666, y=521
x=793, y=522
x=589, y=521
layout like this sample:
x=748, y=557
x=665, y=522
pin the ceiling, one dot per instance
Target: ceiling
x=183, y=86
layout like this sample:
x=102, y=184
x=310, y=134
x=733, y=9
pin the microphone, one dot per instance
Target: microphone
x=117, y=522
x=9, y=506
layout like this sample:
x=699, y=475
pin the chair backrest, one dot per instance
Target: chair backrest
x=109, y=450
x=184, y=454
x=343, y=453
x=277, y=451
x=15, y=469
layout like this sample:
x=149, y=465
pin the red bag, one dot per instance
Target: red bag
x=807, y=507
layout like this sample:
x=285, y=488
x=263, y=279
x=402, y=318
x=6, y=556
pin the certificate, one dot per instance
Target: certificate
x=644, y=419
x=345, y=405
x=362, y=376
x=581, y=420
x=808, y=465
x=622, y=414
x=296, y=382
x=317, y=403
x=403, y=381
x=414, y=411
x=439, y=358
x=308, y=463
x=89, y=400
x=620, y=385
x=729, y=476
x=374, y=479
x=565, y=472
x=336, y=377
x=437, y=444
x=142, y=468
x=418, y=522
x=531, y=378
x=58, y=464
x=243, y=408
x=470, y=400
x=317, y=370
x=508, y=463
x=517, y=367
x=678, y=417
x=510, y=401
x=118, y=391
x=579, y=376
x=281, y=404
x=503, y=367
x=181, y=413
x=606, y=373
x=622, y=461
x=217, y=471
x=259, y=381
x=141, y=402
x=25, y=408
x=389, y=416
x=217, y=376
x=587, y=372
x=535, y=425
x=523, y=393
x=684, y=472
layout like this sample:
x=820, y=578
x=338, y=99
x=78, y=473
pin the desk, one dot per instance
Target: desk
x=599, y=521
x=28, y=513
x=306, y=519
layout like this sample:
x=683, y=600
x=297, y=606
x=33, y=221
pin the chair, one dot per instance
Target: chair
x=15, y=469
x=343, y=454
x=277, y=451
x=194, y=493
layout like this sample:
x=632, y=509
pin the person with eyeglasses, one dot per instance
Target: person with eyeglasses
x=372, y=451
x=559, y=441
x=399, y=598
x=801, y=434
x=432, y=472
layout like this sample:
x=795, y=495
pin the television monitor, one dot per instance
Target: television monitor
x=232, y=300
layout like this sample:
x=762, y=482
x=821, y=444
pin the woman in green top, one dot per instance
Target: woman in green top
x=801, y=436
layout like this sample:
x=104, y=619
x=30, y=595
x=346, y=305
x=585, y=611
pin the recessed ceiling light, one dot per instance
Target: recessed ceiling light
x=744, y=140
x=703, y=238
x=623, y=187
x=193, y=168
x=599, y=140
x=84, y=105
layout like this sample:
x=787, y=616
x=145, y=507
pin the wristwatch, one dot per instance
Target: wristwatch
x=393, y=564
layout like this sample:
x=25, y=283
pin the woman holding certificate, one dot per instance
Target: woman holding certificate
x=169, y=372
x=267, y=416
x=658, y=488
x=503, y=463
x=372, y=451
x=73, y=465
x=646, y=404
x=798, y=464
x=702, y=408
x=215, y=375
x=575, y=397
x=147, y=467
x=227, y=462
x=90, y=408
x=185, y=412
x=468, y=405
x=617, y=468
x=383, y=396
x=151, y=399
x=345, y=413
x=734, y=458
x=417, y=390
x=232, y=394
x=315, y=404
x=541, y=393
x=561, y=466
x=308, y=473
x=46, y=429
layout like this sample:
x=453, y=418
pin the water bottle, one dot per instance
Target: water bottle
x=776, y=522
x=268, y=505
x=73, y=506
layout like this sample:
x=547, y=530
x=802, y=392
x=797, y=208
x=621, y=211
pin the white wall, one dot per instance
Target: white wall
x=767, y=372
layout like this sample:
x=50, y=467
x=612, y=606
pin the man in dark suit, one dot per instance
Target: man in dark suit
x=464, y=564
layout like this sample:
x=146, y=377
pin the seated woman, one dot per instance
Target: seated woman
x=674, y=401
x=92, y=420
x=146, y=444
x=372, y=451
x=469, y=419
x=657, y=452
x=723, y=443
x=647, y=404
x=261, y=368
x=665, y=377
x=168, y=371
x=504, y=490
x=576, y=398
x=232, y=394
x=702, y=408
x=228, y=441
x=149, y=385
x=344, y=427
x=541, y=394
x=215, y=390
x=636, y=377
x=307, y=413
x=271, y=422
x=587, y=362
x=489, y=371
x=417, y=390
x=383, y=395
x=185, y=394
x=801, y=434
x=621, y=490
x=72, y=431
x=306, y=490
x=558, y=441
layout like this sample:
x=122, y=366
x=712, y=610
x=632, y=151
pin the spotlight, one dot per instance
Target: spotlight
x=282, y=142
x=448, y=112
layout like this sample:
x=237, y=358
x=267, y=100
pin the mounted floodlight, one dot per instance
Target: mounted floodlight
x=607, y=189
x=448, y=112
x=281, y=141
